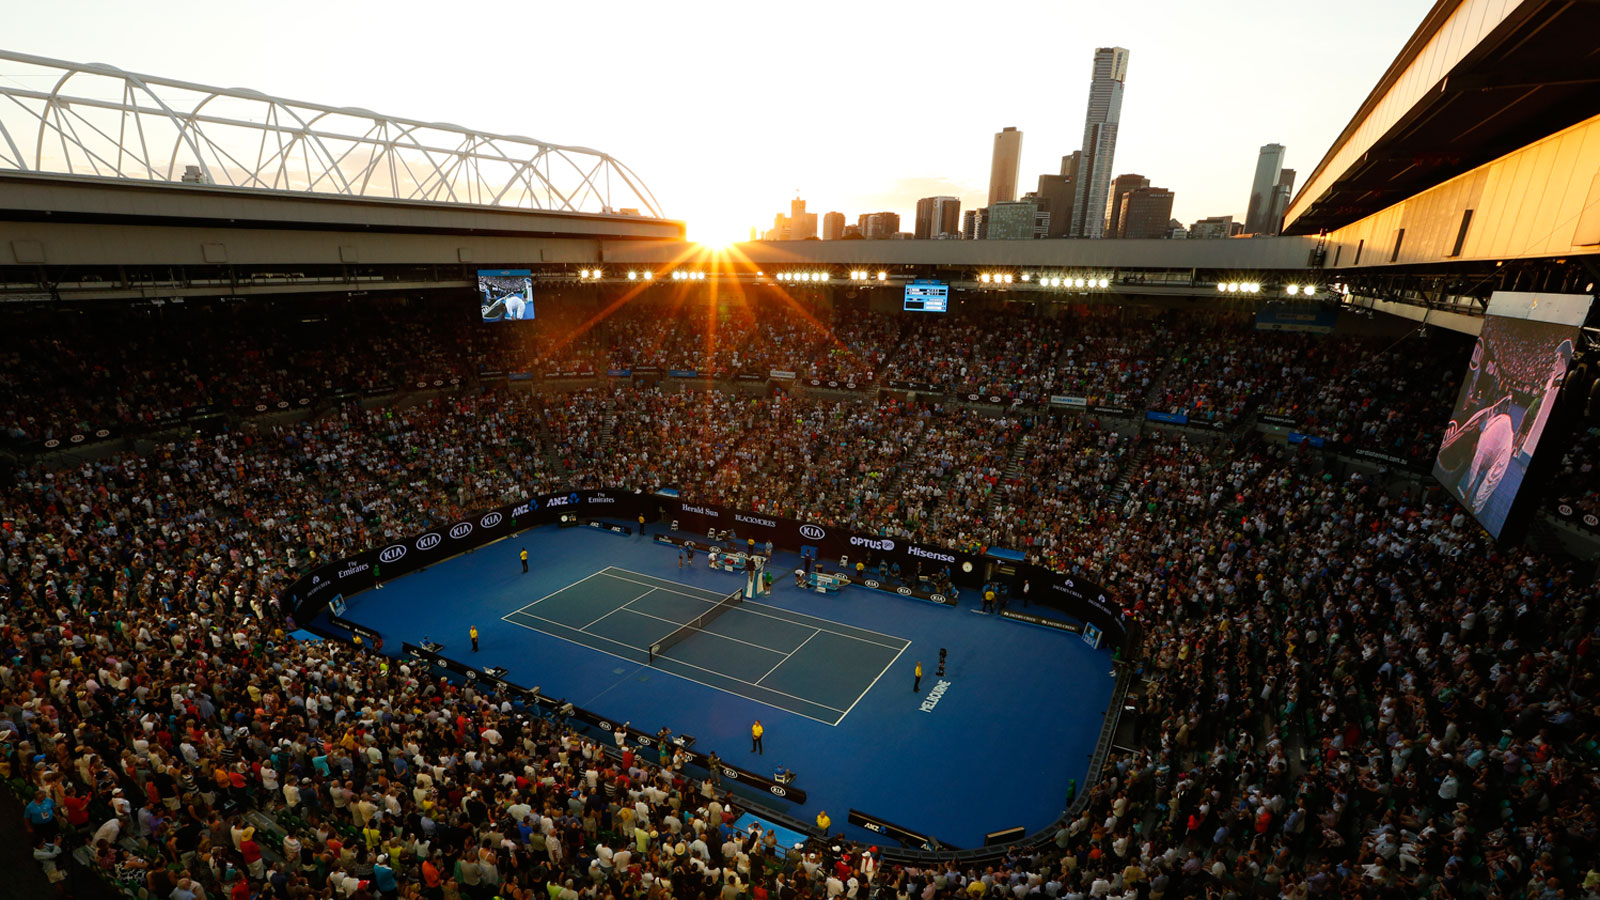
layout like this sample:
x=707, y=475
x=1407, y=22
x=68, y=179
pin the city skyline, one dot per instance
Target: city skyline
x=720, y=152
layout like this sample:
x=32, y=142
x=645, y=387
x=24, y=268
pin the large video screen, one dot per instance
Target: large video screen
x=506, y=294
x=927, y=296
x=1512, y=380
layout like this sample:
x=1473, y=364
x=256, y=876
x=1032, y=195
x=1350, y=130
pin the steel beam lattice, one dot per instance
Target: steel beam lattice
x=97, y=120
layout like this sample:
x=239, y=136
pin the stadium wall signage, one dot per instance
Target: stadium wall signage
x=1075, y=596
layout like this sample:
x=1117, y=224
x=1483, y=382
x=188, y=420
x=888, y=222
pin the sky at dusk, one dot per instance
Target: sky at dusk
x=727, y=109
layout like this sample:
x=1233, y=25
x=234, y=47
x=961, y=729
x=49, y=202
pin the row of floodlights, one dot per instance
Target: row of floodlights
x=864, y=275
x=1254, y=287
x=803, y=276
x=1053, y=281
x=688, y=276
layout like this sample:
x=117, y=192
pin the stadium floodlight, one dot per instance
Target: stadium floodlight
x=700, y=276
x=1055, y=281
x=1233, y=287
x=632, y=275
x=595, y=273
x=883, y=276
x=1309, y=291
x=984, y=278
x=584, y=274
x=1026, y=277
x=822, y=276
x=1105, y=282
x=1008, y=278
x=1079, y=282
x=1222, y=288
x=1292, y=290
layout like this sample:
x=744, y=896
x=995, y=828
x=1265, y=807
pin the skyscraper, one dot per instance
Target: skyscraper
x=1282, y=193
x=1003, y=168
x=1144, y=212
x=1099, y=141
x=1012, y=221
x=1121, y=185
x=802, y=225
x=938, y=217
x=1258, y=216
x=879, y=226
x=833, y=226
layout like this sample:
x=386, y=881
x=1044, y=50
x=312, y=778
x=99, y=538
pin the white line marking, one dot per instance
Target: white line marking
x=835, y=722
x=620, y=608
x=875, y=680
x=557, y=591
x=786, y=657
x=749, y=603
x=678, y=625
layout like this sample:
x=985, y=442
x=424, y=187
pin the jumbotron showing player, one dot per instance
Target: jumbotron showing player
x=1517, y=367
x=506, y=298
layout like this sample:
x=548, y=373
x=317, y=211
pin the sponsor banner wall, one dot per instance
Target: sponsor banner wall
x=918, y=386
x=829, y=543
x=833, y=385
x=356, y=573
x=1063, y=400
x=1570, y=514
x=1077, y=597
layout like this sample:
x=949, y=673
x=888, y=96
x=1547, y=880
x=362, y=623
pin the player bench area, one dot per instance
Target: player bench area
x=802, y=664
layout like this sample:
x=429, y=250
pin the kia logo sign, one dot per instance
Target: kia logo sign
x=460, y=530
x=1564, y=509
x=392, y=553
x=428, y=541
x=778, y=790
x=52, y=443
x=814, y=532
x=727, y=772
x=604, y=726
x=102, y=433
x=490, y=521
x=872, y=584
x=904, y=590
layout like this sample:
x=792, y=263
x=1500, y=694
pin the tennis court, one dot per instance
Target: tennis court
x=808, y=666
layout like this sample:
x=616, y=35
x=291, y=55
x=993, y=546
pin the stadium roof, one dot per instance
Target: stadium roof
x=98, y=120
x=1478, y=79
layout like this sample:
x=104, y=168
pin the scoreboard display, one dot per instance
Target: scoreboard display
x=927, y=296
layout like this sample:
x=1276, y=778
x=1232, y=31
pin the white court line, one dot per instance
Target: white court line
x=875, y=681
x=558, y=590
x=702, y=631
x=786, y=657
x=679, y=662
x=749, y=603
x=627, y=659
x=618, y=609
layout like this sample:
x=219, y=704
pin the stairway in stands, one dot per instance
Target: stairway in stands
x=1130, y=465
x=1013, y=472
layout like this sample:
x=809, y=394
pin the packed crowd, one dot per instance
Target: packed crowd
x=1352, y=692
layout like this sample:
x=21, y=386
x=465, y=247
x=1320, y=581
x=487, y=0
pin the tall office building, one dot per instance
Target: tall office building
x=1120, y=185
x=802, y=225
x=1144, y=212
x=833, y=226
x=1271, y=182
x=1282, y=193
x=938, y=217
x=975, y=224
x=1005, y=165
x=1012, y=221
x=879, y=226
x=1099, y=141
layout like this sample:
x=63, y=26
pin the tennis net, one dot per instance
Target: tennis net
x=696, y=625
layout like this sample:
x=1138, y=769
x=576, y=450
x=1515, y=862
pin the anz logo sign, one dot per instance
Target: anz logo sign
x=812, y=532
x=428, y=541
x=392, y=553
x=460, y=530
x=490, y=520
x=524, y=508
x=568, y=500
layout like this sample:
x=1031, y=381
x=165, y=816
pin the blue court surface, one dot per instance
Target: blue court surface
x=991, y=745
